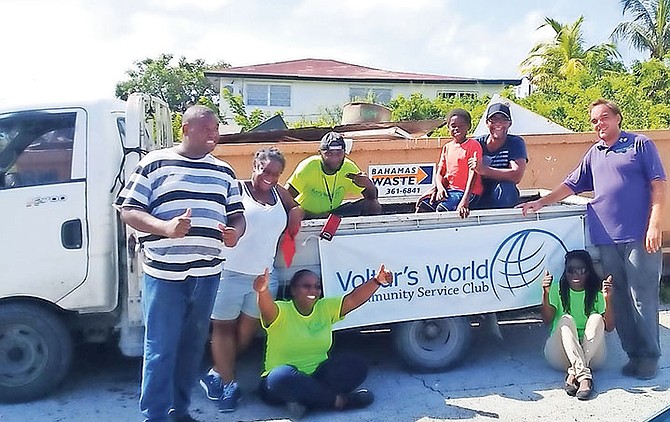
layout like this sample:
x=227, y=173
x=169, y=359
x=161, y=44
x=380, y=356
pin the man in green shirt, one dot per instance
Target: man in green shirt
x=321, y=182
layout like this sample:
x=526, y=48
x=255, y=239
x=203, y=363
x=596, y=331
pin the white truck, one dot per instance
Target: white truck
x=70, y=271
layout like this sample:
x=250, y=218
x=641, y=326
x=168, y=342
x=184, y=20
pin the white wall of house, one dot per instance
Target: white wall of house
x=309, y=98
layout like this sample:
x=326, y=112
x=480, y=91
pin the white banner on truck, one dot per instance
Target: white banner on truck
x=402, y=179
x=451, y=271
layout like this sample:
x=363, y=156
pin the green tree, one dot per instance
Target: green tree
x=241, y=116
x=642, y=93
x=564, y=55
x=180, y=85
x=650, y=28
x=327, y=117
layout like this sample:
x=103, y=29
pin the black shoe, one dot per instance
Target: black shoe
x=585, y=394
x=571, y=387
x=646, y=369
x=296, y=410
x=359, y=399
x=630, y=369
x=182, y=418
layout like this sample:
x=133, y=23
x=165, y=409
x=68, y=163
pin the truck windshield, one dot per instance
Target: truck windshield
x=36, y=148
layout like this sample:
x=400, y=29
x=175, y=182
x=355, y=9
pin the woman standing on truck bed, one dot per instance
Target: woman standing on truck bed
x=579, y=314
x=269, y=211
x=299, y=370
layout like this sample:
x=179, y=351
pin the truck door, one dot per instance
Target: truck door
x=147, y=126
x=42, y=197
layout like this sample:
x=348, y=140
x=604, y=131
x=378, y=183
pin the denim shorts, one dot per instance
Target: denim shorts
x=236, y=294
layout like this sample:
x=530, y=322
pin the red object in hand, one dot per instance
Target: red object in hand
x=287, y=246
x=329, y=229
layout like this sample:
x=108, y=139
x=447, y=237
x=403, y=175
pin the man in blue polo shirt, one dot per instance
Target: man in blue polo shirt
x=626, y=175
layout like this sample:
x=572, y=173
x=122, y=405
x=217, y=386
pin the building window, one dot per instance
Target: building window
x=379, y=95
x=268, y=95
x=448, y=95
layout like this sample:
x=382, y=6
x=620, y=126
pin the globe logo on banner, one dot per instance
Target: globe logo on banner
x=521, y=259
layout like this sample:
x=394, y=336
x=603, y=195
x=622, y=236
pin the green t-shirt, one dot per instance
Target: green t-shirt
x=319, y=192
x=299, y=340
x=576, y=307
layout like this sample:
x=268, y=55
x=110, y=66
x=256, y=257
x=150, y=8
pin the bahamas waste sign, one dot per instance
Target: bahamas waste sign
x=402, y=179
x=451, y=271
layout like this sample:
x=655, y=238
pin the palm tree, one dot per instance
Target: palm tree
x=564, y=55
x=650, y=28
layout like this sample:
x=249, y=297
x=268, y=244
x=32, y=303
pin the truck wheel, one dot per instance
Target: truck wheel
x=35, y=352
x=432, y=344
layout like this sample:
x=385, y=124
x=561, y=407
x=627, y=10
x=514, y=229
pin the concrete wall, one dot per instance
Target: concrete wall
x=552, y=157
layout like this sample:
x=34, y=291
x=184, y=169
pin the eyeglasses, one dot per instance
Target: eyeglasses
x=575, y=270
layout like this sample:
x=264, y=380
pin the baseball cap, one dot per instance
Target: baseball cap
x=332, y=141
x=498, y=108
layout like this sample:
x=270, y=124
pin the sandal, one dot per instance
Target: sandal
x=585, y=394
x=571, y=385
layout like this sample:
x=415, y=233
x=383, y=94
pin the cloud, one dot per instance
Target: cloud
x=79, y=47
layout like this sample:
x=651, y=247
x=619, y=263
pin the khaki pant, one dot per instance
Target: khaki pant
x=563, y=349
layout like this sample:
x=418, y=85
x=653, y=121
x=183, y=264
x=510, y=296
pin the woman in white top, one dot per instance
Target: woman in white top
x=269, y=211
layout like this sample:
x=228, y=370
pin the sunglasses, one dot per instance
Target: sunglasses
x=575, y=270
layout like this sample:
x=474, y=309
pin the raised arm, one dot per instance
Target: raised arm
x=363, y=292
x=266, y=304
x=547, y=310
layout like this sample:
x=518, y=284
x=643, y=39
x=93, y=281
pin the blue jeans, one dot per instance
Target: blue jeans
x=340, y=374
x=450, y=203
x=637, y=277
x=498, y=195
x=176, y=316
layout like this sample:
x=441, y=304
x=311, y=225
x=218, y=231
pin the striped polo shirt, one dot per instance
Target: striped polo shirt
x=165, y=184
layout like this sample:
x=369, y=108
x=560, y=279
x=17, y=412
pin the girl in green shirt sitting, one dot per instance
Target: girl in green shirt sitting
x=298, y=369
x=579, y=310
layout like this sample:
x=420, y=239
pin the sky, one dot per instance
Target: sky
x=70, y=49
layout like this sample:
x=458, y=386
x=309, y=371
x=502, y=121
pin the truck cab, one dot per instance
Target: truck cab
x=64, y=253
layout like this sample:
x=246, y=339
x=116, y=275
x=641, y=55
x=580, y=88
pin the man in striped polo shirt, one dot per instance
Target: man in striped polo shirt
x=185, y=203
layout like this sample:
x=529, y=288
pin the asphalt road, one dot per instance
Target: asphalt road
x=504, y=380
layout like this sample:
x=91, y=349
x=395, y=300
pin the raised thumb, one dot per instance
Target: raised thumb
x=475, y=155
x=186, y=214
x=222, y=227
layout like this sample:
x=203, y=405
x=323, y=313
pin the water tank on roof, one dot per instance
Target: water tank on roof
x=358, y=112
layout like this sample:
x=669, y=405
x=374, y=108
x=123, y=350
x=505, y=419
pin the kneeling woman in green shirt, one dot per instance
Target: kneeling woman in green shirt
x=298, y=370
x=579, y=314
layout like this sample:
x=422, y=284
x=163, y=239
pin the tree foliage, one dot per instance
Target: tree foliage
x=180, y=85
x=649, y=30
x=240, y=115
x=418, y=107
x=642, y=92
x=326, y=117
x=564, y=56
